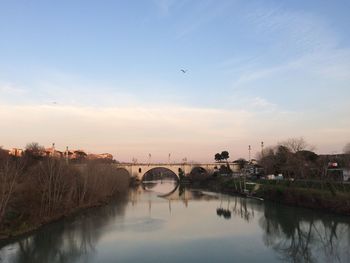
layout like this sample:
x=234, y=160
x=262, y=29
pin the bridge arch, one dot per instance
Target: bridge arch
x=137, y=170
x=199, y=170
x=158, y=172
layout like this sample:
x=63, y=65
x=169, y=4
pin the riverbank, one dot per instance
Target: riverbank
x=26, y=228
x=48, y=190
x=330, y=197
x=325, y=200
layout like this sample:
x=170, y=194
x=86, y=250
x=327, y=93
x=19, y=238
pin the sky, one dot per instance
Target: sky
x=105, y=76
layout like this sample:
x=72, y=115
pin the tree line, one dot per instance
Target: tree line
x=36, y=189
x=295, y=158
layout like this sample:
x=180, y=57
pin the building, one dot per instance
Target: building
x=338, y=167
x=52, y=152
x=68, y=154
x=79, y=155
x=16, y=152
x=338, y=173
x=253, y=169
x=346, y=174
x=102, y=156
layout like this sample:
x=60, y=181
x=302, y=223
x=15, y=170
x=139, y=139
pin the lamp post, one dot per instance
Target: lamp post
x=53, y=150
x=149, y=158
x=249, y=149
x=67, y=154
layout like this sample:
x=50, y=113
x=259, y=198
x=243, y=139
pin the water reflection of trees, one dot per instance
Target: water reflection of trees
x=240, y=208
x=296, y=235
x=235, y=205
x=301, y=236
x=67, y=241
x=224, y=208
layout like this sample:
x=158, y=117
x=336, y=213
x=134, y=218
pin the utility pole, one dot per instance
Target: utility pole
x=169, y=158
x=67, y=154
x=53, y=150
x=262, y=149
x=249, y=149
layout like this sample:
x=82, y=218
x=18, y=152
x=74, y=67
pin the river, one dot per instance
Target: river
x=162, y=222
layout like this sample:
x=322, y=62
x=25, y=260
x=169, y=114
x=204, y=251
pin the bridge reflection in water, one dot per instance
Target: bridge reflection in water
x=170, y=190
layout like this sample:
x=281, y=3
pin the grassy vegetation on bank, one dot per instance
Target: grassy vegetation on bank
x=329, y=199
x=328, y=196
x=332, y=186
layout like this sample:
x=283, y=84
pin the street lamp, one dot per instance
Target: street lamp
x=249, y=149
x=149, y=158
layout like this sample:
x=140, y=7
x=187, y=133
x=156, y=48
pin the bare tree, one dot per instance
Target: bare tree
x=291, y=159
x=34, y=148
x=295, y=144
x=10, y=170
x=97, y=182
x=55, y=183
x=267, y=160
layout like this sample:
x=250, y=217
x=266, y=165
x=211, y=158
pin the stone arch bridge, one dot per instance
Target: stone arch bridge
x=138, y=170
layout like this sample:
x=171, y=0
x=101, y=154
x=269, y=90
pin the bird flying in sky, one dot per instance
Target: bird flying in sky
x=183, y=71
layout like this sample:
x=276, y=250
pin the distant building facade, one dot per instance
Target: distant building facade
x=106, y=156
x=52, y=152
x=16, y=152
x=338, y=166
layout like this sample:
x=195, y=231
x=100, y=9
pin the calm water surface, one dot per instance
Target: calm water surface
x=161, y=222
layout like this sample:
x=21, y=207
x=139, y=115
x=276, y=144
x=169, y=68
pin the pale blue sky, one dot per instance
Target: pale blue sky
x=257, y=70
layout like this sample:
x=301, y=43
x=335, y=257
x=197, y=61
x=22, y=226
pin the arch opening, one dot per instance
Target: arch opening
x=160, y=180
x=199, y=171
x=160, y=174
x=198, y=174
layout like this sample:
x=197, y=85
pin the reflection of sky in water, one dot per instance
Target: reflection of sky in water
x=141, y=224
x=184, y=226
x=160, y=187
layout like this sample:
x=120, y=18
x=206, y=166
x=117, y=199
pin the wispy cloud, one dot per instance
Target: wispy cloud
x=330, y=64
x=67, y=89
x=259, y=103
x=298, y=44
x=130, y=132
x=293, y=30
x=293, y=40
x=333, y=63
x=203, y=13
x=11, y=88
x=122, y=129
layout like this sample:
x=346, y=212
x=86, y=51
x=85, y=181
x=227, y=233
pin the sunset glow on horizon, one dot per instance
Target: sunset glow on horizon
x=107, y=77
